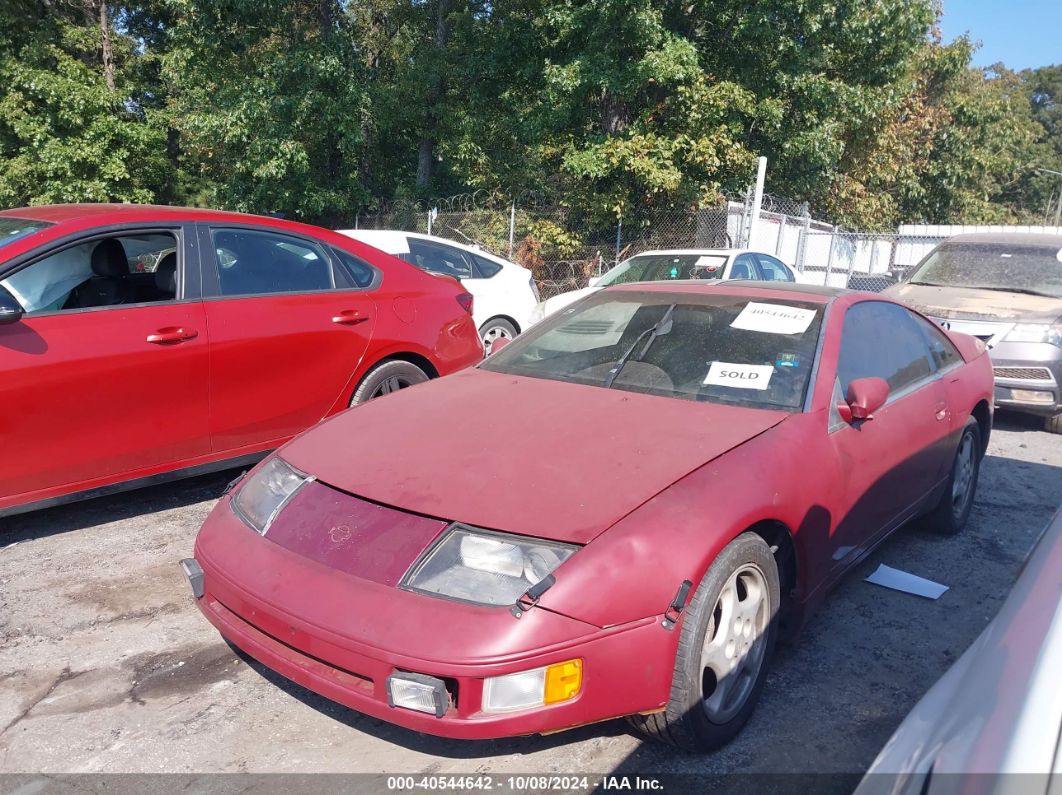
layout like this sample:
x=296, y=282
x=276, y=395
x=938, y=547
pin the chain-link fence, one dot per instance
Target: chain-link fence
x=564, y=248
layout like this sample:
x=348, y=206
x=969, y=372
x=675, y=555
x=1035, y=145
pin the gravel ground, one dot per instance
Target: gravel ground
x=106, y=666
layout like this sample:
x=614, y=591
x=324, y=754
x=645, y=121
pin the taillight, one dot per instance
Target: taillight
x=465, y=299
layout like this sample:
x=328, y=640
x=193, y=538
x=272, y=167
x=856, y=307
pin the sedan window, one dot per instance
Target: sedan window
x=251, y=262
x=744, y=268
x=774, y=270
x=437, y=258
x=118, y=270
x=720, y=348
x=881, y=340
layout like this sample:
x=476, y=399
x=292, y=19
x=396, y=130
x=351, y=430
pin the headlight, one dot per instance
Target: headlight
x=1036, y=332
x=262, y=495
x=485, y=567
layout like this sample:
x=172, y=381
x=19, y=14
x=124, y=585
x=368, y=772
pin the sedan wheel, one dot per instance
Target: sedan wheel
x=950, y=515
x=727, y=634
x=385, y=378
x=494, y=330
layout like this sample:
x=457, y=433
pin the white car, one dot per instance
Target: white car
x=680, y=263
x=504, y=294
x=992, y=723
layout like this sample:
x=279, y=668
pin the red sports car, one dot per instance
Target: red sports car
x=610, y=516
x=139, y=343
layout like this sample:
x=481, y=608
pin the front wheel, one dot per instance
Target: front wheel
x=725, y=645
x=951, y=513
x=387, y=377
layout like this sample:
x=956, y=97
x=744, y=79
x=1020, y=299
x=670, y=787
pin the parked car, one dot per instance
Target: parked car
x=677, y=264
x=992, y=723
x=626, y=537
x=245, y=332
x=505, y=293
x=1005, y=289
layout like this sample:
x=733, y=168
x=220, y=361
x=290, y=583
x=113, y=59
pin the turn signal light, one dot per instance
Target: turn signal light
x=563, y=681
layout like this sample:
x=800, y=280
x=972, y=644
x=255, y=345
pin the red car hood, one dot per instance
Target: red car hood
x=526, y=455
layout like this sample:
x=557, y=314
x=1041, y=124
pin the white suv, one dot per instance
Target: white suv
x=504, y=293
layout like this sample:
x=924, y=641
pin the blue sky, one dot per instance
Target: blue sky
x=1020, y=33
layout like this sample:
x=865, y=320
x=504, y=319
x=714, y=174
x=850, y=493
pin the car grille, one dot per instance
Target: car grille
x=1028, y=373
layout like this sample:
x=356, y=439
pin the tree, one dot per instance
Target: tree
x=70, y=126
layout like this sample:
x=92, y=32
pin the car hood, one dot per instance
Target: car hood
x=526, y=455
x=972, y=304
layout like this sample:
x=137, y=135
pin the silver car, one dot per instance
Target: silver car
x=1006, y=289
x=993, y=723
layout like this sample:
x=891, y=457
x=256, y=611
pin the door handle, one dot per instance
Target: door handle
x=942, y=411
x=171, y=335
x=349, y=317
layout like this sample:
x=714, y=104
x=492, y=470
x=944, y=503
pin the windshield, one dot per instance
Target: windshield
x=663, y=267
x=11, y=229
x=994, y=266
x=716, y=348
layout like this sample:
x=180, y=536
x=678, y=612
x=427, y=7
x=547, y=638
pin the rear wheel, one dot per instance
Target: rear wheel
x=725, y=644
x=1053, y=424
x=953, y=510
x=387, y=377
x=494, y=329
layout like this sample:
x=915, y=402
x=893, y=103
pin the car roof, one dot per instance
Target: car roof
x=1012, y=238
x=814, y=293
x=658, y=252
x=385, y=237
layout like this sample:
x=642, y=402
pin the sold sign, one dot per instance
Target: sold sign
x=739, y=376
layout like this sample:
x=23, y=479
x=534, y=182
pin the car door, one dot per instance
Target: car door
x=106, y=372
x=289, y=326
x=891, y=463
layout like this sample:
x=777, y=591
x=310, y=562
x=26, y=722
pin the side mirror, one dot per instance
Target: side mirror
x=593, y=281
x=865, y=396
x=10, y=309
x=498, y=344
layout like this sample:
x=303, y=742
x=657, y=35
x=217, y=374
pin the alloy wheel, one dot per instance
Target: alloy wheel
x=492, y=334
x=962, y=483
x=734, y=643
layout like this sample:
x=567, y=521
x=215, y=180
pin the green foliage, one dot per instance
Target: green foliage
x=615, y=108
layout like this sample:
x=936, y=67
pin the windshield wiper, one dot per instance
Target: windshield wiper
x=1002, y=289
x=658, y=329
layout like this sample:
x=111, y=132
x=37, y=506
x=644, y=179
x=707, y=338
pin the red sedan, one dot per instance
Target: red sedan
x=140, y=343
x=678, y=470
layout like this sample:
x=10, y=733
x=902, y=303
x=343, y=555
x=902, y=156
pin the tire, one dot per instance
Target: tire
x=1053, y=424
x=701, y=716
x=949, y=516
x=387, y=377
x=495, y=328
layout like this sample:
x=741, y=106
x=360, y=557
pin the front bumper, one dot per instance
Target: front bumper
x=1028, y=377
x=342, y=637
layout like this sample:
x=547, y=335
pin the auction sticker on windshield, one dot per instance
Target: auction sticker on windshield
x=739, y=376
x=773, y=318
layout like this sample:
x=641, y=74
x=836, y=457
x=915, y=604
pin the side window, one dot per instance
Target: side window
x=113, y=271
x=882, y=340
x=361, y=273
x=744, y=268
x=485, y=268
x=438, y=258
x=940, y=347
x=251, y=262
x=773, y=270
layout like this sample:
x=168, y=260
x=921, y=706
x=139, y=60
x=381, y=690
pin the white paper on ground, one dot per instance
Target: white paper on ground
x=907, y=582
x=773, y=318
x=739, y=376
